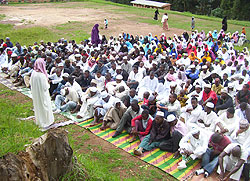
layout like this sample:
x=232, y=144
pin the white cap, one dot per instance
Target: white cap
x=60, y=65
x=118, y=67
x=93, y=89
x=94, y=81
x=230, y=85
x=233, y=68
x=125, y=57
x=78, y=55
x=224, y=90
x=207, y=86
x=192, y=66
x=197, y=86
x=104, y=94
x=141, y=53
x=171, y=118
x=204, y=67
x=210, y=105
x=119, y=77
x=13, y=55
x=160, y=113
x=173, y=84
x=65, y=75
x=244, y=122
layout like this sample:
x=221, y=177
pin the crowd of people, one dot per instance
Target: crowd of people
x=188, y=94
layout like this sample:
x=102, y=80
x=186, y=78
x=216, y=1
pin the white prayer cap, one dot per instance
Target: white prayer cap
x=118, y=67
x=65, y=75
x=207, y=86
x=78, y=55
x=62, y=92
x=93, y=81
x=7, y=38
x=233, y=68
x=204, y=67
x=244, y=122
x=13, y=55
x=93, y=89
x=195, y=131
x=113, y=52
x=242, y=77
x=119, y=77
x=125, y=58
x=210, y=105
x=230, y=85
x=77, y=50
x=60, y=65
x=160, y=113
x=173, y=84
x=173, y=53
x=154, y=53
x=104, y=94
x=224, y=90
x=192, y=66
x=141, y=53
x=197, y=86
x=185, y=54
x=171, y=118
x=41, y=47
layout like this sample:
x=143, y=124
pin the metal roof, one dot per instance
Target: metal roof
x=150, y=3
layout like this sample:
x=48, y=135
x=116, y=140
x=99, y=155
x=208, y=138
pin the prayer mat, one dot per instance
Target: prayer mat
x=161, y=159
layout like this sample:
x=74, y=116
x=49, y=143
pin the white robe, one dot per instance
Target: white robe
x=41, y=99
x=147, y=85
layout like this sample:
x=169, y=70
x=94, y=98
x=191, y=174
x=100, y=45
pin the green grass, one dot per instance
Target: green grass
x=14, y=134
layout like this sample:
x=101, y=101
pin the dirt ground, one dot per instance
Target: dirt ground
x=55, y=14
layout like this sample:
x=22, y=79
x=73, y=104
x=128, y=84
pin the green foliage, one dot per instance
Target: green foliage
x=218, y=12
x=14, y=134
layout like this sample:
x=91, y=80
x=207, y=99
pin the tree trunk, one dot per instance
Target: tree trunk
x=48, y=158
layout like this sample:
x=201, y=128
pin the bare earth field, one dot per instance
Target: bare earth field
x=26, y=15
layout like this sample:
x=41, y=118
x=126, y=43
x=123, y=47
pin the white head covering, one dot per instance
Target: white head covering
x=210, y=105
x=160, y=113
x=119, y=77
x=244, y=122
x=104, y=94
x=207, y=86
x=171, y=118
x=93, y=89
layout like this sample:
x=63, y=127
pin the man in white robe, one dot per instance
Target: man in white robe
x=40, y=95
x=113, y=86
x=192, y=146
x=88, y=100
x=148, y=83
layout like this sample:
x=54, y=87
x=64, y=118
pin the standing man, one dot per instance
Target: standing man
x=164, y=21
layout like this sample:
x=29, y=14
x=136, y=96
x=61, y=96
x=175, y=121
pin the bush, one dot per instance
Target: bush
x=218, y=12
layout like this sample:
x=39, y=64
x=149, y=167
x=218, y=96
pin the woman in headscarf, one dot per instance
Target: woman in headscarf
x=224, y=23
x=95, y=35
x=40, y=95
x=243, y=30
x=193, y=57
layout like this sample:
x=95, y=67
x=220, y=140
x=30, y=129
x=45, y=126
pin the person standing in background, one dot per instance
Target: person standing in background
x=40, y=95
x=224, y=23
x=164, y=21
x=156, y=14
x=193, y=23
x=106, y=23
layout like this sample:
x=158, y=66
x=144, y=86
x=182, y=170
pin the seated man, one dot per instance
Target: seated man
x=228, y=122
x=67, y=101
x=217, y=144
x=102, y=106
x=208, y=118
x=217, y=87
x=133, y=111
x=224, y=102
x=87, y=102
x=208, y=95
x=114, y=114
x=148, y=83
x=191, y=113
x=127, y=99
x=141, y=125
x=170, y=106
x=178, y=129
x=243, y=95
x=113, y=86
x=244, y=111
x=54, y=80
x=232, y=159
x=134, y=78
x=159, y=132
x=192, y=146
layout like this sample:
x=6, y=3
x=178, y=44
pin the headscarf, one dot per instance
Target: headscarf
x=40, y=66
x=95, y=35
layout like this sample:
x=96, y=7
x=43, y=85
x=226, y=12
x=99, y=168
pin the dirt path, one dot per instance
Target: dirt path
x=54, y=14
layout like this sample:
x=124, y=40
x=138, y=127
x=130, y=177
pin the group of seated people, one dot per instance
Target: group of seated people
x=188, y=95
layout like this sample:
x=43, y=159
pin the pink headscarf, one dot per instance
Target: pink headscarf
x=39, y=66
